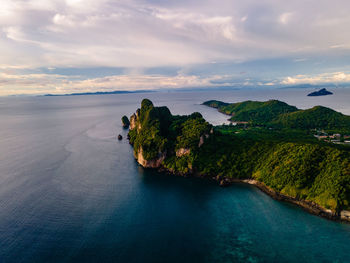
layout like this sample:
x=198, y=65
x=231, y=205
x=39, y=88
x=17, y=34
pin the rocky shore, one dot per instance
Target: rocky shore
x=310, y=207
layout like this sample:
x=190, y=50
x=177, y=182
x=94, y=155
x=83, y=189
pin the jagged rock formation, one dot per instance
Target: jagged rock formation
x=182, y=151
x=125, y=122
x=158, y=137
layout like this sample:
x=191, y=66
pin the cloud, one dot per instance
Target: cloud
x=285, y=18
x=334, y=77
x=300, y=59
x=146, y=34
x=11, y=83
x=63, y=20
x=193, y=24
x=244, y=18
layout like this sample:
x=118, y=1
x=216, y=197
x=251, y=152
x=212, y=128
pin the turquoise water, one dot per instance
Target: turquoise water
x=70, y=192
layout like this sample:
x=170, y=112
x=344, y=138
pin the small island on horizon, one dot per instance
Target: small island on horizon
x=272, y=145
x=321, y=92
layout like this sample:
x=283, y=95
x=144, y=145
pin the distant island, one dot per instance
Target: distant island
x=272, y=146
x=277, y=114
x=99, y=93
x=321, y=92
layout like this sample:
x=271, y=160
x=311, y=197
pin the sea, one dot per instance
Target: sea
x=71, y=192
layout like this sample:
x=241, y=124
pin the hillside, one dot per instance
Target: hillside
x=310, y=172
x=279, y=114
x=253, y=111
x=316, y=117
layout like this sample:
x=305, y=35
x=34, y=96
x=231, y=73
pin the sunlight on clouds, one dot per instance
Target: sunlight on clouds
x=244, y=18
x=285, y=18
x=194, y=35
x=209, y=26
x=334, y=77
x=59, y=19
x=145, y=34
x=54, y=83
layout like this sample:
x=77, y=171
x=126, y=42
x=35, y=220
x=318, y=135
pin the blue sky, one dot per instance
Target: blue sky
x=58, y=46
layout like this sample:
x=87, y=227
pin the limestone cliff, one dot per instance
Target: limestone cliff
x=159, y=137
x=182, y=151
x=153, y=163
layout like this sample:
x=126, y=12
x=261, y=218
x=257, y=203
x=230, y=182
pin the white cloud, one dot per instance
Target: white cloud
x=199, y=25
x=334, y=77
x=300, y=59
x=285, y=18
x=54, y=83
x=144, y=33
x=63, y=20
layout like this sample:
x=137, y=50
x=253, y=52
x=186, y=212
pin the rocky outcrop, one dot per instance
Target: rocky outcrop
x=133, y=121
x=345, y=215
x=182, y=151
x=159, y=138
x=201, y=141
x=202, y=138
x=142, y=135
x=154, y=163
x=125, y=122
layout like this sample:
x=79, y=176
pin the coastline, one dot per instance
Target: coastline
x=151, y=128
x=308, y=206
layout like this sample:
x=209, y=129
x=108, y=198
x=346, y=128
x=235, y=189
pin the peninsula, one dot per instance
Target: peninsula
x=288, y=164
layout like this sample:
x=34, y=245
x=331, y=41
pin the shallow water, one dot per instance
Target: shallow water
x=70, y=192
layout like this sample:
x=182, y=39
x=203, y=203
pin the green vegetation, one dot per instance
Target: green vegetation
x=253, y=111
x=316, y=117
x=303, y=169
x=158, y=132
x=310, y=172
x=152, y=137
x=277, y=114
x=289, y=161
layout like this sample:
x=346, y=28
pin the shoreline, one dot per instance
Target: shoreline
x=189, y=133
x=308, y=206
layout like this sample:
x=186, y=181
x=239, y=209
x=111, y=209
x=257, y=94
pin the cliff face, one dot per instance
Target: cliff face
x=132, y=121
x=153, y=163
x=182, y=151
x=159, y=137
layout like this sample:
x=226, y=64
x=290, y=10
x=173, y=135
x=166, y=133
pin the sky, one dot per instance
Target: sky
x=66, y=46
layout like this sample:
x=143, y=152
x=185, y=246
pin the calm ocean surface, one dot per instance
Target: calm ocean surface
x=70, y=192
